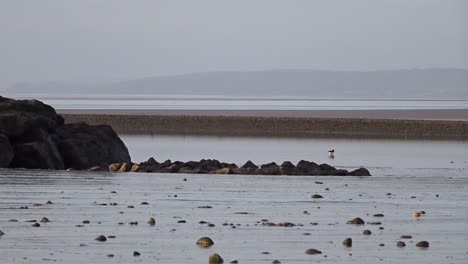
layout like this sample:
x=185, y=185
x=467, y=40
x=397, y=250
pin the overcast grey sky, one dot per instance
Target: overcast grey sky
x=103, y=40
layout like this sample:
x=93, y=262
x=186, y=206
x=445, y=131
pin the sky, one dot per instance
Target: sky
x=112, y=40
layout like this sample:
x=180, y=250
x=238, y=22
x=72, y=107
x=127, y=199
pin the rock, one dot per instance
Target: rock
x=223, y=171
x=326, y=169
x=135, y=168
x=316, y=196
x=287, y=168
x=378, y=215
x=152, y=221
x=101, y=238
x=270, y=169
x=355, y=221
x=249, y=165
x=360, y=172
x=400, y=244
x=37, y=150
x=124, y=167
x=276, y=261
x=366, y=232
x=6, y=153
x=307, y=168
x=40, y=140
x=114, y=167
x=406, y=237
x=136, y=254
x=205, y=242
x=416, y=214
x=422, y=244
x=45, y=220
x=348, y=242
x=215, y=259
x=1, y=233
x=313, y=251
x=83, y=146
x=36, y=225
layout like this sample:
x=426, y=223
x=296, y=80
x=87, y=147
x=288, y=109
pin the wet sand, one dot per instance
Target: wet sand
x=428, y=114
x=403, y=124
x=237, y=200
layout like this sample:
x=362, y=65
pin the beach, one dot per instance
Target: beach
x=428, y=124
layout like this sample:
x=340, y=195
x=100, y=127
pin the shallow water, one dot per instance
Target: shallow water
x=349, y=153
x=78, y=196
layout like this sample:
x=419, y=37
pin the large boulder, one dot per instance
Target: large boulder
x=33, y=135
x=83, y=146
x=6, y=153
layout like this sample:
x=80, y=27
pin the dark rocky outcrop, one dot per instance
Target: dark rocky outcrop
x=34, y=136
x=211, y=166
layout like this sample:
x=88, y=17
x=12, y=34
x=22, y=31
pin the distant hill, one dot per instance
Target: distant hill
x=395, y=84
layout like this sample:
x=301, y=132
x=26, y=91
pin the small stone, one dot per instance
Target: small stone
x=313, y=251
x=45, y=220
x=215, y=259
x=181, y=221
x=211, y=225
x=49, y=202
x=382, y=245
x=406, y=237
x=205, y=242
x=136, y=254
x=416, y=214
x=130, y=206
x=378, y=215
x=366, y=232
x=317, y=196
x=234, y=262
x=110, y=255
x=152, y=221
x=36, y=225
x=276, y=261
x=348, y=242
x=422, y=244
x=355, y=221
x=133, y=223
x=111, y=236
x=1, y=233
x=86, y=222
x=101, y=238
x=144, y=203
x=400, y=244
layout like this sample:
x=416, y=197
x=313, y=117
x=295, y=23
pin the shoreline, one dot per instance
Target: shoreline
x=334, y=123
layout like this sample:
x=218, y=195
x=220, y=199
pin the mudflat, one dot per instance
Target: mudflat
x=427, y=124
x=251, y=219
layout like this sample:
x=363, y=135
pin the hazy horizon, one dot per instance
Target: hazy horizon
x=108, y=41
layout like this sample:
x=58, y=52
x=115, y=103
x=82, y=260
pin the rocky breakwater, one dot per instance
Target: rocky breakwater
x=212, y=166
x=34, y=136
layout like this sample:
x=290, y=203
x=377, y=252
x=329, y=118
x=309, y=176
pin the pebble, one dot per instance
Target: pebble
x=45, y=220
x=422, y=244
x=276, y=261
x=49, y=202
x=348, y=242
x=317, y=196
x=101, y=238
x=234, y=262
x=144, y=203
x=406, y=237
x=366, y=232
x=378, y=215
x=355, y=221
x=400, y=244
x=110, y=255
x=151, y=221
x=1, y=233
x=36, y=225
x=136, y=254
x=215, y=259
x=313, y=251
x=416, y=214
x=205, y=242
